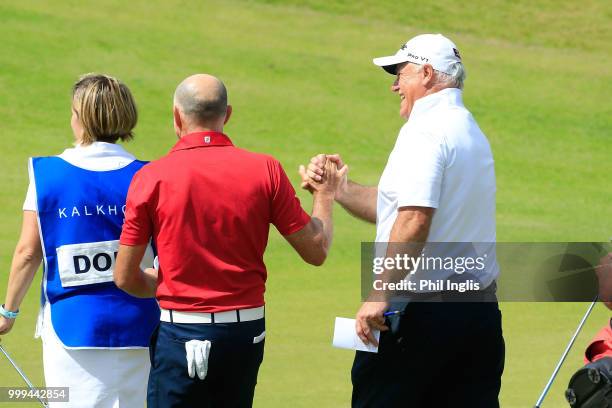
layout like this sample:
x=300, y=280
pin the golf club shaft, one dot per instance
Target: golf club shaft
x=21, y=373
x=565, y=353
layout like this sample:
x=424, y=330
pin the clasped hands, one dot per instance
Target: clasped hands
x=325, y=173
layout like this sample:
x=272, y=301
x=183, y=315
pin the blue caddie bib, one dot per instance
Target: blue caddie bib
x=80, y=214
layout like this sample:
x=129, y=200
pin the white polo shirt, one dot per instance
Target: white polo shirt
x=442, y=160
x=98, y=156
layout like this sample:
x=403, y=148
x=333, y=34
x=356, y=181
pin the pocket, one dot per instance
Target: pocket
x=260, y=338
x=153, y=345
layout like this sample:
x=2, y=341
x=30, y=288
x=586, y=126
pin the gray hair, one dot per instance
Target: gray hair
x=201, y=106
x=455, y=79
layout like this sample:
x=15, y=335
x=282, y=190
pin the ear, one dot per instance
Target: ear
x=178, y=123
x=428, y=75
x=228, y=113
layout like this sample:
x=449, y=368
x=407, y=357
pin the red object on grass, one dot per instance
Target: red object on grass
x=600, y=346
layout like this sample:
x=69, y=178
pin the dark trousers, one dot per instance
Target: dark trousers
x=443, y=355
x=232, y=365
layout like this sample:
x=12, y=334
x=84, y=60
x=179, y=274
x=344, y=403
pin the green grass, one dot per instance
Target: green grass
x=301, y=81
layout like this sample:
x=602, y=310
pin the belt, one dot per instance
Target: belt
x=229, y=316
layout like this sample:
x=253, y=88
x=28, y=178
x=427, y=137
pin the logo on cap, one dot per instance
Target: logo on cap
x=456, y=51
x=206, y=139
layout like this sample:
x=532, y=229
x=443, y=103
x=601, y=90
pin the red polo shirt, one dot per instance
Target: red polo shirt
x=208, y=206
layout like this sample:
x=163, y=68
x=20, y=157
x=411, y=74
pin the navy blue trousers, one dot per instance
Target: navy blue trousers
x=232, y=366
x=443, y=355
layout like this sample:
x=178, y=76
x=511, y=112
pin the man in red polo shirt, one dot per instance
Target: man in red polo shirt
x=208, y=206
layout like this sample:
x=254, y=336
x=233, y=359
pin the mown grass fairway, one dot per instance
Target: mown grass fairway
x=301, y=81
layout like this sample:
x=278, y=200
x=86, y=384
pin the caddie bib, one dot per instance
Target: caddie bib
x=80, y=214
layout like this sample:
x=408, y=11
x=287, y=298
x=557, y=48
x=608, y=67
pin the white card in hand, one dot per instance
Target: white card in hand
x=346, y=337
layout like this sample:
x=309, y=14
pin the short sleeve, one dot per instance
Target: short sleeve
x=30, y=201
x=421, y=161
x=137, y=227
x=287, y=213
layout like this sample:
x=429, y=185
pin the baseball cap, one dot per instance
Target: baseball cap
x=433, y=49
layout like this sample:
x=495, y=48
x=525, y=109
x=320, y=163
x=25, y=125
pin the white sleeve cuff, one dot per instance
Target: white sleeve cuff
x=417, y=203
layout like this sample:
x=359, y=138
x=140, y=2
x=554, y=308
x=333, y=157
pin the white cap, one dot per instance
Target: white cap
x=433, y=49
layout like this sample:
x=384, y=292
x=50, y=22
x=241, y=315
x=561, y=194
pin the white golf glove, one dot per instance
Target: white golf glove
x=197, y=357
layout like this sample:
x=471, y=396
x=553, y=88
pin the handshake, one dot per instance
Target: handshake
x=326, y=174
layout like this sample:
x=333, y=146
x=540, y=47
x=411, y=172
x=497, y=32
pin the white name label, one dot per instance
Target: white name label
x=94, y=262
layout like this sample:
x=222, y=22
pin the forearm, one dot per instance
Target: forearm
x=398, y=246
x=359, y=201
x=23, y=268
x=322, y=214
x=143, y=284
x=314, y=240
x=406, y=239
x=129, y=277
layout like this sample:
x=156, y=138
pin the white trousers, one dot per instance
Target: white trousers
x=96, y=378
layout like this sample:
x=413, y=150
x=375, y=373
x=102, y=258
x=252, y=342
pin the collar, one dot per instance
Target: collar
x=447, y=96
x=202, y=139
x=98, y=156
x=97, y=149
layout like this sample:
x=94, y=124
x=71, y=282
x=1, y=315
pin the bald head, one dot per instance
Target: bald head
x=201, y=98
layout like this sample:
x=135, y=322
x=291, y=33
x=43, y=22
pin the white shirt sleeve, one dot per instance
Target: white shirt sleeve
x=30, y=201
x=421, y=163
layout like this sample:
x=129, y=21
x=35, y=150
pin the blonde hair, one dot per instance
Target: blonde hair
x=105, y=108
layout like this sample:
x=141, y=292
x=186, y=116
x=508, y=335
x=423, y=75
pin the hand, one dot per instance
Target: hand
x=152, y=272
x=316, y=171
x=369, y=317
x=152, y=275
x=6, y=325
x=310, y=177
x=332, y=179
